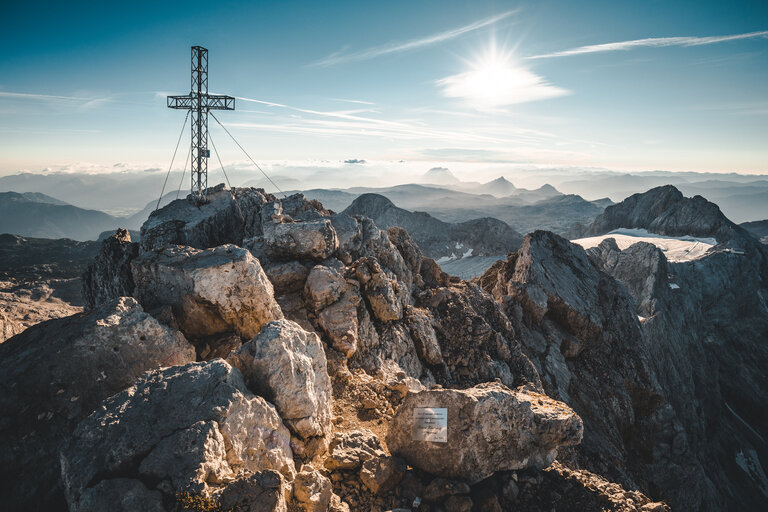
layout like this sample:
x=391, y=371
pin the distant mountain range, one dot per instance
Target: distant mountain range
x=32, y=214
x=524, y=210
x=440, y=240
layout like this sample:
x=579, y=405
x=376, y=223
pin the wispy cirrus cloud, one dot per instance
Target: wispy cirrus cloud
x=82, y=103
x=413, y=44
x=651, y=42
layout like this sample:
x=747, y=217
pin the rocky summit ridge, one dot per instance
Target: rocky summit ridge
x=255, y=353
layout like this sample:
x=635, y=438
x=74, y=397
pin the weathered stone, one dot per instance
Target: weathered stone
x=226, y=217
x=182, y=403
x=109, y=276
x=324, y=286
x=312, y=490
x=349, y=450
x=261, y=492
x=287, y=365
x=286, y=277
x=490, y=428
x=382, y=474
x=56, y=373
x=420, y=325
x=340, y=322
x=382, y=292
x=314, y=240
x=189, y=458
x=212, y=291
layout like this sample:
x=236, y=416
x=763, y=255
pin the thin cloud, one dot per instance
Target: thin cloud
x=413, y=44
x=651, y=42
x=360, y=102
x=45, y=97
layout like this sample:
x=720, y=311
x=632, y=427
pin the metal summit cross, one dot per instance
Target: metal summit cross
x=199, y=103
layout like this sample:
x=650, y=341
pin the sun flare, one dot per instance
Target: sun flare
x=496, y=79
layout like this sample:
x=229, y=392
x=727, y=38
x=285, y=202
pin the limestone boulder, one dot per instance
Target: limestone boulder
x=186, y=429
x=490, y=428
x=385, y=294
x=312, y=239
x=312, y=491
x=56, y=373
x=287, y=365
x=211, y=291
x=382, y=474
x=349, y=450
x=109, y=276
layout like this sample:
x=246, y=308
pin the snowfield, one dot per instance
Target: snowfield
x=676, y=249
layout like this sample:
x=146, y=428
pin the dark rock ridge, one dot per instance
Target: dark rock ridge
x=665, y=211
x=436, y=239
x=662, y=368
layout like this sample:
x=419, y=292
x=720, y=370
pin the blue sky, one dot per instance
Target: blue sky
x=621, y=85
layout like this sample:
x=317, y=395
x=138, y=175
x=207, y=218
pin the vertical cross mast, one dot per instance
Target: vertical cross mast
x=199, y=103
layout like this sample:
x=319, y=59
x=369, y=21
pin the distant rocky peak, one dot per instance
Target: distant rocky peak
x=665, y=211
x=366, y=204
x=440, y=176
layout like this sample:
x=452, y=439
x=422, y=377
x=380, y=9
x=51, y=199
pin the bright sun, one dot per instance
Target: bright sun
x=498, y=79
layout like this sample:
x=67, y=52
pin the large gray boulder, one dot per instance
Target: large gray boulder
x=211, y=291
x=490, y=428
x=187, y=429
x=56, y=373
x=226, y=217
x=287, y=365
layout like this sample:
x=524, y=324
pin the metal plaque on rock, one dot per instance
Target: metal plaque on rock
x=430, y=424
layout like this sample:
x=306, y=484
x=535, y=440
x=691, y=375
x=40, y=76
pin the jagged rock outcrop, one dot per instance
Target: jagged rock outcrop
x=109, y=276
x=193, y=429
x=226, y=217
x=211, y=291
x=478, y=237
x=55, y=374
x=705, y=324
x=287, y=365
x=665, y=211
x=490, y=428
x=579, y=326
x=642, y=268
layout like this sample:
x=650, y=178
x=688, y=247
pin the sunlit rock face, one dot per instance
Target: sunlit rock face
x=490, y=428
x=287, y=365
x=211, y=291
x=191, y=427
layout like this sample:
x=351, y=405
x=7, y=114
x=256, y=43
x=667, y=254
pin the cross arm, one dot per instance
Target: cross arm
x=180, y=102
x=220, y=102
x=211, y=101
